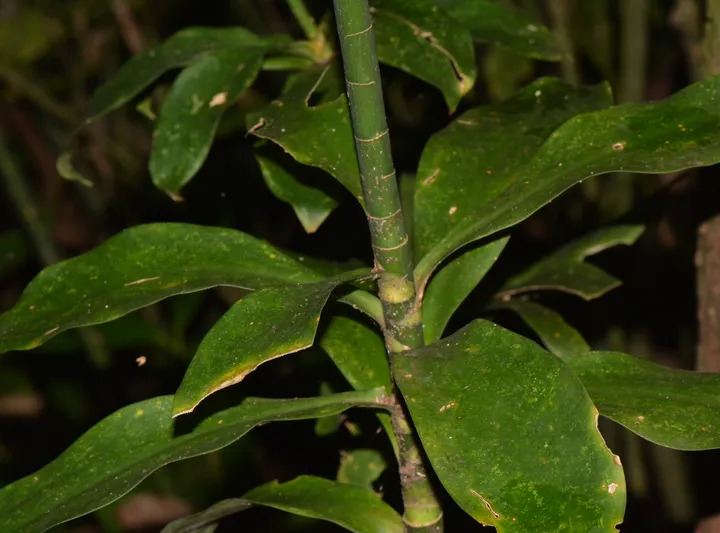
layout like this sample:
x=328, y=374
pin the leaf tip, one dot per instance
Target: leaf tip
x=174, y=196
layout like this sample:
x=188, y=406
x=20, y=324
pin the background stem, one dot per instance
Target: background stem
x=304, y=19
x=393, y=259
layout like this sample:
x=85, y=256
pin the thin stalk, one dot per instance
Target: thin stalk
x=711, y=41
x=635, y=26
x=393, y=260
x=304, y=19
x=23, y=201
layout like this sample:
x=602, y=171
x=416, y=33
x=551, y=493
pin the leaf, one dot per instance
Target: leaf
x=666, y=136
x=674, y=408
x=423, y=40
x=136, y=268
x=320, y=136
x=126, y=447
x=449, y=287
x=466, y=166
x=183, y=48
x=354, y=508
x=565, y=270
x=191, y=113
x=359, y=353
x=264, y=325
x=557, y=335
x=361, y=467
x=511, y=433
x=312, y=206
x=491, y=21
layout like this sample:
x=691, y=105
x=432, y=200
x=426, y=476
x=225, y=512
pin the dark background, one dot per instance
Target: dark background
x=52, y=56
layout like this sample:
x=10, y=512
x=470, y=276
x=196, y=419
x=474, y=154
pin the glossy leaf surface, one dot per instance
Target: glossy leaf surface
x=361, y=467
x=511, y=433
x=491, y=21
x=191, y=113
x=354, y=508
x=320, y=136
x=449, y=287
x=674, y=408
x=312, y=206
x=264, y=325
x=126, y=447
x=139, y=267
x=423, y=40
x=555, y=333
x=181, y=49
x=565, y=270
x=468, y=164
x=665, y=136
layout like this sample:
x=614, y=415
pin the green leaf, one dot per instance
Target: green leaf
x=557, y=335
x=191, y=113
x=312, y=206
x=423, y=40
x=452, y=284
x=666, y=136
x=511, y=433
x=264, y=325
x=361, y=467
x=139, y=267
x=207, y=518
x=565, y=270
x=319, y=136
x=359, y=353
x=181, y=49
x=354, y=508
x=674, y=408
x=126, y=447
x=466, y=166
x=491, y=21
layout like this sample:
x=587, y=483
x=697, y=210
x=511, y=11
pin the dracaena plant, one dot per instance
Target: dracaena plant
x=507, y=427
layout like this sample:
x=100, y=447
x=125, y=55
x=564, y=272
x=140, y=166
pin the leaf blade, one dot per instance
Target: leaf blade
x=138, y=267
x=482, y=401
x=674, y=408
x=267, y=324
x=127, y=446
x=192, y=111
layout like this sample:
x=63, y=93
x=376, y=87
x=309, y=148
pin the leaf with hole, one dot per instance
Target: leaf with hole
x=511, y=433
x=492, y=21
x=136, y=268
x=674, y=408
x=453, y=282
x=312, y=206
x=264, y=325
x=555, y=333
x=192, y=110
x=423, y=40
x=320, y=136
x=677, y=133
x=565, y=270
x=126, y=447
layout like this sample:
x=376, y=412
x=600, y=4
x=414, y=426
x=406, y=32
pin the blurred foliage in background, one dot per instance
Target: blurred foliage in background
x=54, y=54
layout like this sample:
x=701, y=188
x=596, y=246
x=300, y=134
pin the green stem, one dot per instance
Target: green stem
x=302, y=15
x=393, y=259
x=23, y=201
x=711, y=40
